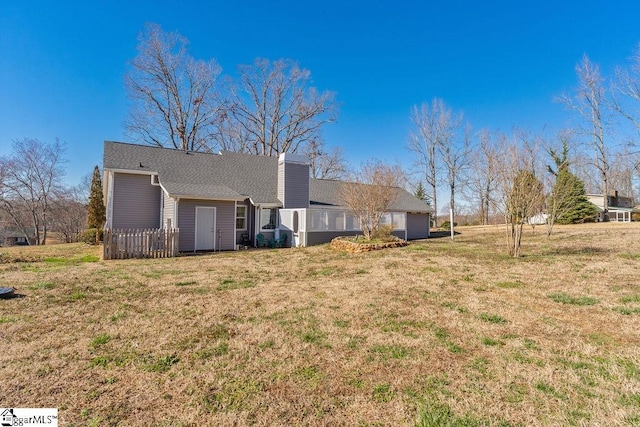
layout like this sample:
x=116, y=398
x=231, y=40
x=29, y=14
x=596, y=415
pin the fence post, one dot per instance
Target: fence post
x=105, y=246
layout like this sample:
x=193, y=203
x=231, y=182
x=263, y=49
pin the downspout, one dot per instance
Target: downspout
x=110, y=183
x=235, y=225
x=175, y=212
x=156, y=183
x=306, y=232
x=406, y=226
x=256, y=226
x=161, y=209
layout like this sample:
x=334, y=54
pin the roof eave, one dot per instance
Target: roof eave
x=131, y=171
x=196, y=197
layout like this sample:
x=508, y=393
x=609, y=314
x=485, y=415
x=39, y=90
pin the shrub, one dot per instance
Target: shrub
x=89, y=235
x=447, y=225
x=383, y=233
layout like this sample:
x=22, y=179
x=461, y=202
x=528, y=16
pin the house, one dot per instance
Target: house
x=620, y=208
x=219, y=201
x=11, y=236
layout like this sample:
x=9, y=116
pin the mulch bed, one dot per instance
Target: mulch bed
x=348, y=245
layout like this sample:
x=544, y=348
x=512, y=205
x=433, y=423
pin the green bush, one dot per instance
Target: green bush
x=89, y=235
x=447, y=225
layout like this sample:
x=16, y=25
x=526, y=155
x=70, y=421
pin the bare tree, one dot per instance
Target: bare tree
x=519, y=194
x=69, y=214
x=454, y=149
x=583, y=167
x=31, y=176
x=371, y=194
x=482, y=181
x=525, y=200
x=623, y=173
x=430, y=125
x=325, y=163
x=626, y=102
x=626, y=93
x=274, y=109
x=174, y=96
x=590, y=102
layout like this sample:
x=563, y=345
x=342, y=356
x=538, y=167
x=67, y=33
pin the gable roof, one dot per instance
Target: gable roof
x=227, y=175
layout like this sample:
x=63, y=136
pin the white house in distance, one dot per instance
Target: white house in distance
x=620, y=207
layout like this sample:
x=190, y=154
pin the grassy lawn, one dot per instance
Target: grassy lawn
x=432, y=334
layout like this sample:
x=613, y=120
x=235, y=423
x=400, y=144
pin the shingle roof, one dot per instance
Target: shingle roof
x=186, y=173
x=327, y=192
x=227, y=175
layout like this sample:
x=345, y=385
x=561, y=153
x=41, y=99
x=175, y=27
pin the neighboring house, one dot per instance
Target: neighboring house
x=219, y=201
x=15, y=237
x=620, y=207
x=538, y=219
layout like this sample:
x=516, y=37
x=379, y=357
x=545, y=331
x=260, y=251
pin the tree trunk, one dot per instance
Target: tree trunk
x=485, y=219
x=435, y=205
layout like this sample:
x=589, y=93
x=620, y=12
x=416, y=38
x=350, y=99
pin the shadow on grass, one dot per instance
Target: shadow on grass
x=440, y=234
x=587, y=250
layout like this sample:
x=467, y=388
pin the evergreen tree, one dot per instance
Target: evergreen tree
x=561, y=160
x=575, y=207
x=421, y=194
x=569, y=195
x=96, y=211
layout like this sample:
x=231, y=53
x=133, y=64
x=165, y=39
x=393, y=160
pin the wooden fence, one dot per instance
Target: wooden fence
x=122, y=243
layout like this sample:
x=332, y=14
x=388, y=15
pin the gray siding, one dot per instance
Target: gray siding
x=167, y=210
x=225, y=223
x=293, y=185
x=136, y=203
x=417, y=226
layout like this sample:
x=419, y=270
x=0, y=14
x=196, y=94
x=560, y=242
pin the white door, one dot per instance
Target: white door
x=205, y=228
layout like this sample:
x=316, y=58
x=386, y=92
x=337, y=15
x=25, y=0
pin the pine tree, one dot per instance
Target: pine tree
x=96, y=211
x=421, y=194
x=575, y=208
x=569, y=195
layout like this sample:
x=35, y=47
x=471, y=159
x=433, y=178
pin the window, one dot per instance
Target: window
x=267, y=218
x=318, y=220
x=351, y=222
x=336, y=220
x=241, y=217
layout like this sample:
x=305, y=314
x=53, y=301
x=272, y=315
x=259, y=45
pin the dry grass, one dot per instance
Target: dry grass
x=436, y=333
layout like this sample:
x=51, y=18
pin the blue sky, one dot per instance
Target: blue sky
x=501, y=63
